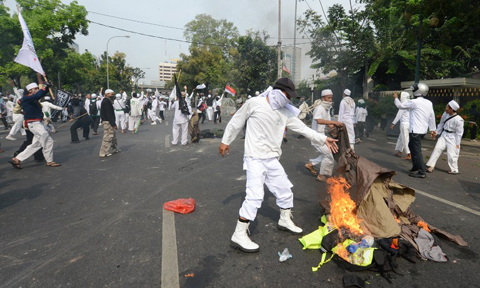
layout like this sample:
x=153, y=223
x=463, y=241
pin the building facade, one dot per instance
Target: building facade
x=166, y=71
x=292, y=59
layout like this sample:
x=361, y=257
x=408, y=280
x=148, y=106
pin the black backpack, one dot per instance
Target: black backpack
x=93, y=107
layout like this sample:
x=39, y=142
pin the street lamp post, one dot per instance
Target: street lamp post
x=108, y=79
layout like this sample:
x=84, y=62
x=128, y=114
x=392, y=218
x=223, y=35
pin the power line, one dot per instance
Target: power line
x=142, y=22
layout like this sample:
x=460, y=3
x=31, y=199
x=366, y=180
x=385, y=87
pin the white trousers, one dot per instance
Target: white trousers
x=351, y=133
x=120, y=120
x=210, y=113
x=41, y=139
x=18, y=126
x=176, y=130
x=402, y=141
x=133, y=122
x=271, y=173
x=452, y=152
x=325, y=159
x=153, y=115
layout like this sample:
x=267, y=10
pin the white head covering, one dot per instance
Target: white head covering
x=47, y=98
x=108, y=91
x=454, y=105
x=94, y=95
x=118, y=96
x=404, y=96
x=31, y=86
x=347, y=92
x=249, y=96
x=257, y=93
x=327, y=92
x=20, y=91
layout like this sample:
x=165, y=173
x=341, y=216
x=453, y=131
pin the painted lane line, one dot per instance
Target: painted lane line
x=453, y=204
x=170, y=278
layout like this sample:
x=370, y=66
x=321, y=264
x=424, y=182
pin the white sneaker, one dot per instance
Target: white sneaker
x=10, y=137
x=154, y=123
x=241, y=240
x=286, y=223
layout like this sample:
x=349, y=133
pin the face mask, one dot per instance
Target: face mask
x=277, y=99
x=325, y=104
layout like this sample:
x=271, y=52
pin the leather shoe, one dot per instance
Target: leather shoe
x=417, y=175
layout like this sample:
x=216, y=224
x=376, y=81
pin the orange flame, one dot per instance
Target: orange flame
x=342, y=206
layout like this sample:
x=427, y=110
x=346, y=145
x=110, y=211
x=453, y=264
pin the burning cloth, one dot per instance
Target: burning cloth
x=382, y=206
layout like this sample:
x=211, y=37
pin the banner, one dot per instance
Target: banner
x=27, y=55
x=62, y=100
x=229, y=90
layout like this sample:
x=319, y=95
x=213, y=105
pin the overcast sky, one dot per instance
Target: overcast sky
x=147, y=52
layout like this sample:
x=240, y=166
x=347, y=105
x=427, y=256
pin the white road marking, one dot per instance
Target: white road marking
x=453, y=204
x=167, y=140
x=170, y=277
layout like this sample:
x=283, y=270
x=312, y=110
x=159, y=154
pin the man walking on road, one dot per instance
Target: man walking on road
x=422, y=118
x=451, y=130
x=107, y=114
x=267, y=116
x=346, y=114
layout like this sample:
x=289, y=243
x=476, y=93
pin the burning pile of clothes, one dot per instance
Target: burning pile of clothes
x=370, y=232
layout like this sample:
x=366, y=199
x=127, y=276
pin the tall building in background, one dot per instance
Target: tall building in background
x=293, y=64
x=166, y=71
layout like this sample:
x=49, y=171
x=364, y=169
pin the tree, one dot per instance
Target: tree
x=255, y=64
x=207, y=32
x=53, y=26
x=342, y=43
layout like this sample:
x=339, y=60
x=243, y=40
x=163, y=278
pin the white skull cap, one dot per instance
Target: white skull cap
x=347, y=92
x=454, y=105
x=94, y=95
x=108, y=91
x=31, y=86
x=327, y=92
x=118, y=96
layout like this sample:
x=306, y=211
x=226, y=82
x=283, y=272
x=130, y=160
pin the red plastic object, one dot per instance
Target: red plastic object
x=182, y=205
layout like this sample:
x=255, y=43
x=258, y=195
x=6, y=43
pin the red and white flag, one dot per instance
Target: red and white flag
x=27, y=55
x=286, y=69
x=229, y=90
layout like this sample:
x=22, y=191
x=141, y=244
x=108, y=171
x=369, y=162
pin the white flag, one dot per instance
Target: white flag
x=27, y=55
x=172, y=96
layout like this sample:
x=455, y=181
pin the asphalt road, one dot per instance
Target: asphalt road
x=100, y=223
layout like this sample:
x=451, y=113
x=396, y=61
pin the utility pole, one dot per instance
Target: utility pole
x=419, y=49
x=294, y=70
x=279, y=59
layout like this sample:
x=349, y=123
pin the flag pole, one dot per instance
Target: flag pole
x=49, y=88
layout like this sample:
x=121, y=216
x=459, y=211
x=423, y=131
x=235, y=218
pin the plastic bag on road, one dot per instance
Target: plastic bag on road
x=182, y=205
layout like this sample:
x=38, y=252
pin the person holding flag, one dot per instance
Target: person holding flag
x=33, y=116
x=180, y=118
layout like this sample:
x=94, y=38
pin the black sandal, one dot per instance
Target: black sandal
x=15, y=165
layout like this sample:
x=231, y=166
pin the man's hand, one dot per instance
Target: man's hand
x=391, y=126
x=458, y=146
x=223, y=148
x=433, y=134
x=71, y=120
x=331, y=144
x=395, y=95
x=115, y=127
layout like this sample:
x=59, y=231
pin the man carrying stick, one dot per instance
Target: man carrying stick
x=33, y=116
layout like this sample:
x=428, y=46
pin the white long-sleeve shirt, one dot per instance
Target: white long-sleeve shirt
x=346, y=113
x=265, y=128
x=47, y=108
x=179, y=117
x=453, y=129
x=422, y=116
x=403, y=116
